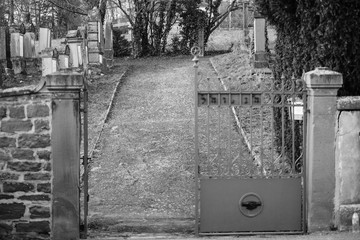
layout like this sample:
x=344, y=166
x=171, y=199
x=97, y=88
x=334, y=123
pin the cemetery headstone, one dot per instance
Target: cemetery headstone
x=29, y=46
x=260, y=60
x=84, y=56
x=44, y=39
x=109, y=49
x=246, y=24
x=95, y=38
x=17, y=48
x=74, y=41
x=5, y=47
x=64, y=55
x=49, y=61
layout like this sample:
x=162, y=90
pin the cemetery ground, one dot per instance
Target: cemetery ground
x=142, y=170
x=141, y=178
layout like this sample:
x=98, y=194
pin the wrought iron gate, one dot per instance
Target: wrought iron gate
x=249, y=155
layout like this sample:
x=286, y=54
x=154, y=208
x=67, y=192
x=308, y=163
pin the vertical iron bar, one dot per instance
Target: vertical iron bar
x=85, y=161
x=208, y=127
x=304, y=172
x=251, y=136
x=261, y=140
x=293, y=132
x=282, y=119
x=272, y=126
x=229, y=145
x=196, y=70
x=219, y=141
x=292, y=107
x=261, y=126
x=242, y=143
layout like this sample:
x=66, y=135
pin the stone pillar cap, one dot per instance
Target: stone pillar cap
x=65, y=81
x=323, y=77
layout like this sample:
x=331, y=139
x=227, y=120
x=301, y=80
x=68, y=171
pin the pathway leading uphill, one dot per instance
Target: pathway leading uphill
x=143, y=169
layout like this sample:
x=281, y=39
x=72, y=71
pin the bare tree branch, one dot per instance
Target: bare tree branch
x=119, y=4
x=72, y=8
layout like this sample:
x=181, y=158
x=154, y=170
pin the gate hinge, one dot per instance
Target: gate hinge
x=82, y=159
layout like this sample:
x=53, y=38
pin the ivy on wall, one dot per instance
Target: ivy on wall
x=313, y=33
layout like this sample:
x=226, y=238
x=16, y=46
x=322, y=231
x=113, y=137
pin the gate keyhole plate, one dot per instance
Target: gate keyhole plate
x=251, y=204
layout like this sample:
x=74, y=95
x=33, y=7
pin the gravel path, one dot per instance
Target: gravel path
x=143, y=166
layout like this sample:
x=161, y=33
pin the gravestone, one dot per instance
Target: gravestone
x=108, y=48
x=246, y=24
x=17, y=48
x=95, y=38
x=49, y=61
x=84, y=52
x=44, y=39
x=64, y=55
x=260, y=59
x=5, y=47
x=29, y=46
x=74, y=40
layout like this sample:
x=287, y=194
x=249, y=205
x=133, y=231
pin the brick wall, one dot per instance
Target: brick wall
x=25, y=166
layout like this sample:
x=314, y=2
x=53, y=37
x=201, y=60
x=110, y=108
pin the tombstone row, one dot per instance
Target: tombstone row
x=83, y=47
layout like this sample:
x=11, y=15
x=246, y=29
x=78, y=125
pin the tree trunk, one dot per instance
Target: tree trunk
x=169, y=23
x=11, y=11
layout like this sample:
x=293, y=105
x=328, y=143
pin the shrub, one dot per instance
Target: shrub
x=312, y=33
x=122, y=47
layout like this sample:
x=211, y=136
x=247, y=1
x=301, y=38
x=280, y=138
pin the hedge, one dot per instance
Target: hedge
x=313, y=33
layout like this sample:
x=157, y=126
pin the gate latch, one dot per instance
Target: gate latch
x=251, y=205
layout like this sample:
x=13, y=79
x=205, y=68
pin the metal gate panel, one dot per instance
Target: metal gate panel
x=279, y=208
x=249, y=154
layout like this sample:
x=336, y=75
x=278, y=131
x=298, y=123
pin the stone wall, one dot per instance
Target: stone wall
x=347, y=162
x=40, y=158
x=25, y=165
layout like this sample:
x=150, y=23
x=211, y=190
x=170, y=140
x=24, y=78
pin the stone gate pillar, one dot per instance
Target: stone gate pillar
x=322, y=85
x=65, y=145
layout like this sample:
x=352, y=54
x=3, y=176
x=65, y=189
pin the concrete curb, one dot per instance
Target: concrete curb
x=92, y=149
x=234, y=112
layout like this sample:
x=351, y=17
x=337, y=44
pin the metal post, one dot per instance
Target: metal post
x=196, y=70
x=85, y=179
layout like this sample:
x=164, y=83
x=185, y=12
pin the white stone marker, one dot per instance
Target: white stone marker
x=49, y=61
x=259, y=35
x=44, y=39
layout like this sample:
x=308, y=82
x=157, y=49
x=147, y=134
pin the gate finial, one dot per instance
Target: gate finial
x=195, y=51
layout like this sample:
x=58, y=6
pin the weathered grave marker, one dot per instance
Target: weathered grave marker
x=64, y=55
x=49, y=61
x=95, y=38
x=5, y=47
x=74, y=40
x=84, y=48
x=246, y=24
x=44, y=39
x=29, y=46
x=17, y=48
x=108, y=49
x=260, y=60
